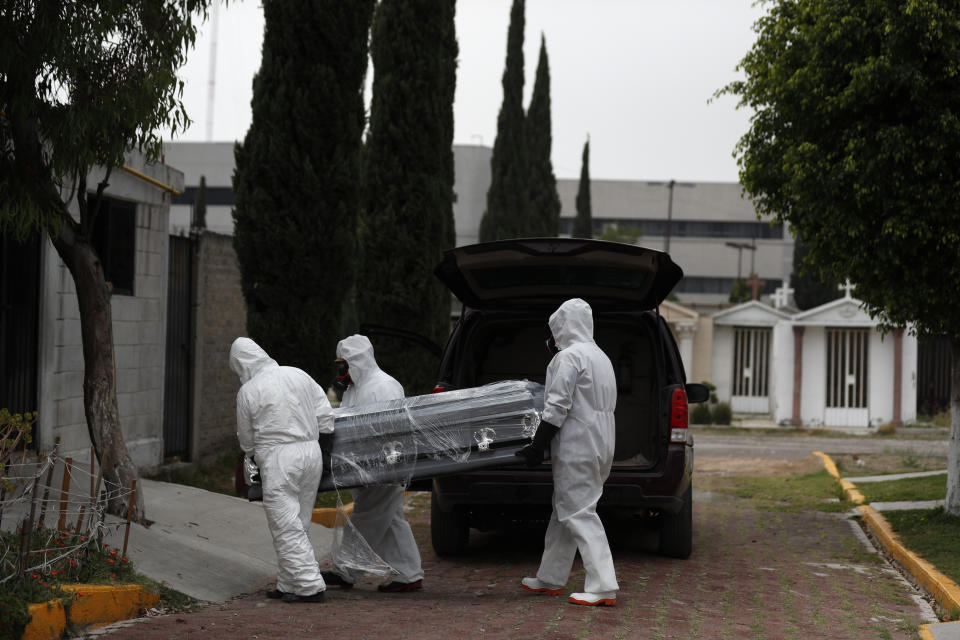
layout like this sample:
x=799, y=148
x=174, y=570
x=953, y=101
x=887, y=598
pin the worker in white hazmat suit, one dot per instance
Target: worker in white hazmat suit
x=580, y=396
x=281, y=413
x=377, y=510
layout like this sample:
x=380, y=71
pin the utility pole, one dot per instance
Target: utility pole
x=669, y=230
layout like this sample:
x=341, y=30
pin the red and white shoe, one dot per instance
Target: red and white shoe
x=535, y=585
x=594, y=599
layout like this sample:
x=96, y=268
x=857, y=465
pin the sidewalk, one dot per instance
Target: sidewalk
x=206, y=545
x=941, y=587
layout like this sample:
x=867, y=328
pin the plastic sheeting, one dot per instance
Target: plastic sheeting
x=430, y=435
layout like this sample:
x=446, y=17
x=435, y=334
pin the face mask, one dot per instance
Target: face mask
x=342, y=381
x=552, y=348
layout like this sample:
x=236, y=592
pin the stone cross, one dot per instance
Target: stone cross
x=755, y=283
x=847, y=287
x=781, y=296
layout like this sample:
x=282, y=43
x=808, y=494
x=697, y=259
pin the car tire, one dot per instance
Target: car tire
x=449, y=530
x=676, y=529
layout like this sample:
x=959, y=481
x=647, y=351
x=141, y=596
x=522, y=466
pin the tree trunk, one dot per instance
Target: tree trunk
x=953, y=452
x=99, y=375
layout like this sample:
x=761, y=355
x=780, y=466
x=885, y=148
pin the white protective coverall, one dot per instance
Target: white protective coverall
x=280, y=413
x=580, y=396
x=377, y=510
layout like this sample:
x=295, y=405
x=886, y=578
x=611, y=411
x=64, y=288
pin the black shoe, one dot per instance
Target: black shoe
x=275, y=594
x=335, y=580
x=292, y=597
x=400, y=587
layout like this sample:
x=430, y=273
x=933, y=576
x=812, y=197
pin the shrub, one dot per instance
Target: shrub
x=722, y=413
x=700, y=414
x=14, y=616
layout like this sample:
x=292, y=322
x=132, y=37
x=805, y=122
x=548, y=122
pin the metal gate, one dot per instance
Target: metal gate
x=751, y=370
x=19, y=324
x=847, y=366
x=933, y=376
x=177, y=407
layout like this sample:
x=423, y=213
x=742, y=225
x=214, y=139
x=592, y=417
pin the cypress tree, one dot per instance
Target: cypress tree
x=543, y=217
x=583, y=223
x=408, y=214
x=296, y=179
x=507, y=196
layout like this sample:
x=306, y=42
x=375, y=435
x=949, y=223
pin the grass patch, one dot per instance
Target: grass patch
x=925, y=488
x=932, y=534
x=216, y=474
x=813, y=491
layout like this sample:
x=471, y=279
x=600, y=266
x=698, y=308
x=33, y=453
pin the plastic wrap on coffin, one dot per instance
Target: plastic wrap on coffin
x=436, y=434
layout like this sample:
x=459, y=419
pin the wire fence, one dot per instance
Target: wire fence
x=53, y=515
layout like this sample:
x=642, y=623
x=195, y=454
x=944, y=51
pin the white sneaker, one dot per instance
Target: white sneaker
x=594, y=599
x=535, y=585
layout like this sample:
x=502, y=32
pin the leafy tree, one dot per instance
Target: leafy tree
x=739, y=291
x=627, y=234
x=583, y=223
x=408, y=213
x=296, y=180
x=810, y=290
x=506, y=198
x=854, y=141
x=81, y=85
x=543, y=214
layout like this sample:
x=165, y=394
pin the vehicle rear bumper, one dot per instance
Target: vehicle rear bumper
x=659, y=488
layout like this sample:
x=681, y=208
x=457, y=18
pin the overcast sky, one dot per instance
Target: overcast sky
x=634, y=75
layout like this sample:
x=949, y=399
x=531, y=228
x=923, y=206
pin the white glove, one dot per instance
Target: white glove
x=251, y=469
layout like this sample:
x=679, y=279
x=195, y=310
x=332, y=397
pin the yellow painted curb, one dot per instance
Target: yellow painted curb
x=94, y=605
x=944, y=590
x=850, y=491
x=925, y=633
x=47, y=620
x=327, y=516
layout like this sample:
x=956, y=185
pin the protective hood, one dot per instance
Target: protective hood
x=247, y=359
x=572, y=323
x=357, y=350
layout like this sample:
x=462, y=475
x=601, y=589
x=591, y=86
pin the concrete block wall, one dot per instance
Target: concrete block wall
x=139, y=335
x=221, y=318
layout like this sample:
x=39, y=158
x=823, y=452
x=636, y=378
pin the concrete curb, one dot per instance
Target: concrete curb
x=94, y=605
x=944, y=590
x=327, y=516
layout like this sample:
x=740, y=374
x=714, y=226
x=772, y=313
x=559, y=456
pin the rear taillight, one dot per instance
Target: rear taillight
x=440, y=388
x=679, y=420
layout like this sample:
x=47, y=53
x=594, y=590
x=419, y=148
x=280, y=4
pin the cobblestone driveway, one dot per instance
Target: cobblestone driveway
x=753, y=574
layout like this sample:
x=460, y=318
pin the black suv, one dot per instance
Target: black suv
x=509, y=289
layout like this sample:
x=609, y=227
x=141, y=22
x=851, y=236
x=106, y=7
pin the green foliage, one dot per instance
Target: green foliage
x=297, y=180
x=506, y=196
x=409, y=173
x=739, y=292
x=791, y=493
x=854, y=142
x=16, y=431
x=543, y=200
x=627, y=234
x=932, y=535
x=583, y=223
x=700, y=413
x=905, y=489
x=81, y=84
x=215, y=474
x=811, y=289
x=721, y=413
x=14, y=616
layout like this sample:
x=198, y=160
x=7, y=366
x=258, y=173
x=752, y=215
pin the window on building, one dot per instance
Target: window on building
x=114, y=238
